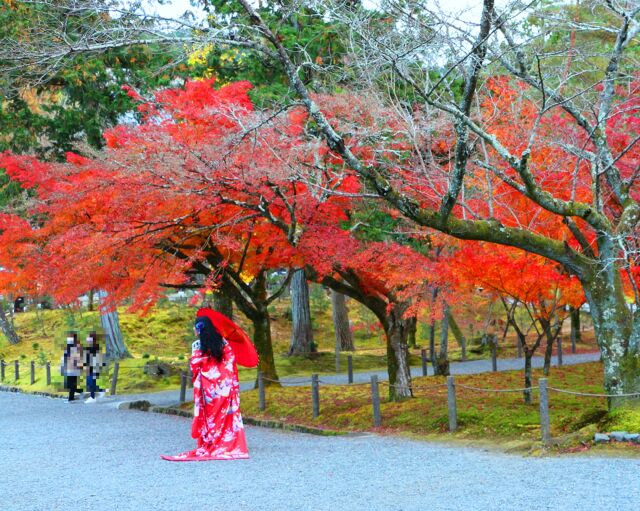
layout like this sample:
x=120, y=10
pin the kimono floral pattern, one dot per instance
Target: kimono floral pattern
x=217, y=422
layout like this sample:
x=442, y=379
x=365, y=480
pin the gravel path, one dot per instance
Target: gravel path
x=170, y=397
x=60, y=456
x=469, y=367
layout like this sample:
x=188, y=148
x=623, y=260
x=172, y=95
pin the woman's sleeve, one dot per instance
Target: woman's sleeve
x=195, y=363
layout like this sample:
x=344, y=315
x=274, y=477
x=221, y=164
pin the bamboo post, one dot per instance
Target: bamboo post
x=32, y=378
x=375, y=400
x=545, y=427
x=16, y=369
x=423, y=356
x=350, y=367
x=114, y=378
x=48, y=372
x=2, y=364
x=451, y=404
x=183, y=386
x=315, y=394
x=262, y=404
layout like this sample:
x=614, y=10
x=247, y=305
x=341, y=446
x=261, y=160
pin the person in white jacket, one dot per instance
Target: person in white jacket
x=71, y=364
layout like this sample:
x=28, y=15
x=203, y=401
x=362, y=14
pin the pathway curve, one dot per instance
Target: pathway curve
x=57, y=456
x=169, y=397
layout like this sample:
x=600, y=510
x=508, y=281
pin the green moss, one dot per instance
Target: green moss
x=501, y=418
x=588, y=418
x=622, y=420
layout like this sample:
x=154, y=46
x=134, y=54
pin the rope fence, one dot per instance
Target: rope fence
x=480, y=389
x=413, y=387
x=587, y=394
x=315, y=382
x=542, y=388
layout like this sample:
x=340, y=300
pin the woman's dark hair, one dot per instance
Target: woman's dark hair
x=211, y=342
x=75, y=344
x=95, y=346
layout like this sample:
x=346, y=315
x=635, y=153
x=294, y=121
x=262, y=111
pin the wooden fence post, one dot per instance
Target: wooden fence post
x=32, y=378
x=114, y=378
x=183, y=386
x=262, y=402
x=350, y=367
x=494, y=353
x=189, y=377
x=423, y=356
x=315, y=394
x=16, y=369
x=463, y=348
x=545, y=426
x=48, y=371
x=2, y=364
x=375, y=400
x=559, y=347
x=451, y=404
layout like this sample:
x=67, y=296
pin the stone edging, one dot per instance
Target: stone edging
x=616, y=436
x=146, y=406
x=7, y=388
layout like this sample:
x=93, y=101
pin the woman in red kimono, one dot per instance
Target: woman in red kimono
x=217, y=423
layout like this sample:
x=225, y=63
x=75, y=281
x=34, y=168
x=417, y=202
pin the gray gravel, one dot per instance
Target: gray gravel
x=60, y=456
x=469, y=367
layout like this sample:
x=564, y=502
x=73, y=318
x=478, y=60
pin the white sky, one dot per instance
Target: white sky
x=178, y=7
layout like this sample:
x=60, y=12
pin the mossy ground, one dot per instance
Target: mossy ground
x=502, y=418
x=166, y=334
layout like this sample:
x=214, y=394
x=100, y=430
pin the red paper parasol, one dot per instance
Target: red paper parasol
x=243, y=348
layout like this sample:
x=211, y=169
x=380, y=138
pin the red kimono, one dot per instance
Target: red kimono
x=217, y=423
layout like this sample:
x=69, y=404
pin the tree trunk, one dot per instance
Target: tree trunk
x=115, y=346
x=344, y=339
x=441, y=368
x=574, y=314
x=518, y=347
x=7, y=328
x=432, y=343
x=301, y=333
x=262, y=332
x=223, y=304
x=262, y=341
x=617, y=331
x=528, y=355
x=412, y=326
x=396, y=330
x=548, y=350
x=90, y=300
x=460, y=337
